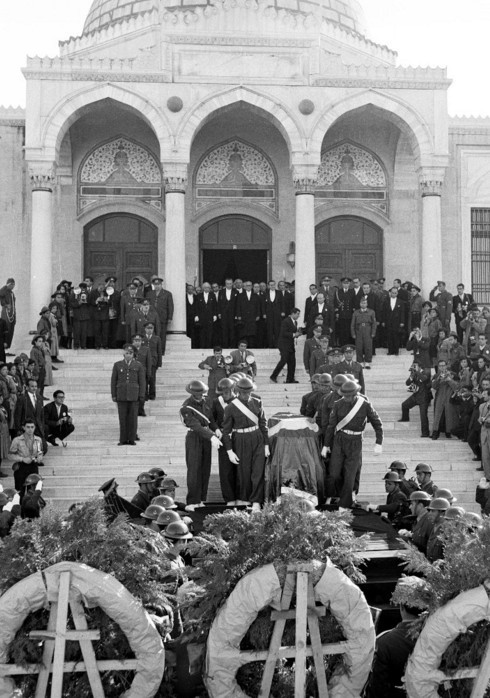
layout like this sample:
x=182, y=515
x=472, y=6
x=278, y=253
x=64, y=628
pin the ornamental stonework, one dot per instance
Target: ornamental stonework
x=120, y=168
x=350, y=172
x=235, y=170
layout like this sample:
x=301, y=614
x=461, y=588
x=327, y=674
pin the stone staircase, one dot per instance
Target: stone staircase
x=92, y=456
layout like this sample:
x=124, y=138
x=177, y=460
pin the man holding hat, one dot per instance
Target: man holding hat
x=202, y=433
x=343, y=438
x=245, y=437
x=128, y=386
x=163, y=303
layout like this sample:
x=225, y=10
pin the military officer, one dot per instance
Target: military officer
x=163, y=302
x=363, y=330
x=143, y=355
x=128, y=385
x=154, y=344
x=348, y=365
x=344, y=309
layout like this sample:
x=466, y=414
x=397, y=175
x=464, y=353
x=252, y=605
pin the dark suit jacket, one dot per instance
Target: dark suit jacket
x=226, y=308
x=285, y=343
x=467, y=299
x=128, y=381
x=273, y=309
x=25, y=410
x=163, y=304
x=155, y=346
x=357, y=298
x=327, y=319
x=205, y=311
x=248, y=311
x=308, y=304
x=287, y=300
x=51, y=414
x=393, y=318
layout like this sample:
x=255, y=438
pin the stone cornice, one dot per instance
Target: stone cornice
x=239, y=40
x=12, y=116
x=87, y=76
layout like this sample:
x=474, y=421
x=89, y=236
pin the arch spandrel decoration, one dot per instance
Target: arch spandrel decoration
x=120, y=168
x=352, y=173
x=235, y=170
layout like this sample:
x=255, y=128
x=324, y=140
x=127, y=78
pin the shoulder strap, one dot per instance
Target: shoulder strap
x=222, y=402
x=188, y=407
x=350, y=415
x=244, y=410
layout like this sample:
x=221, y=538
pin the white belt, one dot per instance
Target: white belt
x=247, y=430
x=351, y=433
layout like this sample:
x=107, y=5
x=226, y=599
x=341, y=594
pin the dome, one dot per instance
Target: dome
x=104, y=13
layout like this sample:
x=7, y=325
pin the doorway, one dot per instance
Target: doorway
x=121, y=245
x=235, y=247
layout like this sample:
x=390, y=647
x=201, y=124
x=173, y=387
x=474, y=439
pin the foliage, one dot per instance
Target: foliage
x=135, y=556
x=465, y=566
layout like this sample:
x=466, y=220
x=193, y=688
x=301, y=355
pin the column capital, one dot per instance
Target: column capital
x=175, y=177
x=431, y=180
x=305, y=176
x=42, y=176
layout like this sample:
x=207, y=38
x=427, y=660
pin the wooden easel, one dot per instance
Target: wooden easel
x=306, y=615
x=55, y=638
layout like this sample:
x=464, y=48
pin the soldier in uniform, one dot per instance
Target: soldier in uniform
x=217, y=368
x=344, y=309
x=314, y=388
x=245, y=437
x=162, y=301
x=406, y=486
x=203, y=432
x=227, y=469
x=423, y=473
x=32, y=502
x=422, y=527
x=128, y=386
x=343, y=438
x=437, y=511
x=310, y=346
x=348, y=365
x=319, y=357
x=419, y=385
x=143, y=355
x=129, y=304
x=396, y=505
x=363, y=330
x=146, y=491
x=154, y=344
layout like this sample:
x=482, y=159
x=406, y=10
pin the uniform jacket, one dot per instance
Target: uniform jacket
x=361, y=319
x=318, y=358
x=421, y=532
x=396, y=504
x=344, y=304
x=310, y=346
x=304, y=402
x=128, y=305
x=141, y=500
x=154, y=343
x=128, y=381
x=138, y=320
x=355, y=369
x=235, y=419
x=163, y=303
x=217, y=372
x=197, y=417
x=367, y=413
x=218, y=409
x=444, y=303
x=143, y=356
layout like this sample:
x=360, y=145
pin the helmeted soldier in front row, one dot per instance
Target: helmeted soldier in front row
x=203, y=432
x=147, y=490
x=422, y=527
x=32, y=502
x=396, y=506
x=227, y=469
x=406, y=486
x=423, y=473
x=245, y=437
x=343, y=437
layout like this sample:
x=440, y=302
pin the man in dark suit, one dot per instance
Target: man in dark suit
x=128, y=384
x=248, y=314
x=320, y=307
x=30, y=406
x=206, y=315
x=287, y=299
x=357, y=290
x=190, y=313
x=163, y=302
x=393, y=320
x=344, y=309
x=461, y=303
x=226, y=313
x=289, y=332
x=273, y=308
x=154, y=344
x=309, y=302
x=57, y=419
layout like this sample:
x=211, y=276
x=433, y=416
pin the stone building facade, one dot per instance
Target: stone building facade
x=238, y=137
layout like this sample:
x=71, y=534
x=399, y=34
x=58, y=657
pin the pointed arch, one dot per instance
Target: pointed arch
x=68, y=110
x=272, y=110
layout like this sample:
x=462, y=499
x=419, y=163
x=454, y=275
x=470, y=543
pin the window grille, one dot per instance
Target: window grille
x=480, y=255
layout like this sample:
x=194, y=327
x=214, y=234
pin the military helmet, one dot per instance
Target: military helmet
x=164, y=501
x=152, y=511
x=157, y=473
x=145, y=478
x=454, y=513
x=196, y=387
x=179, y=530
x=32, y=479
x=9, y=492
x=349, y=388
x=391, y=476
x=350, y=377
x=340, y=379
x=398, y=465
x=168, y=483
x=439, y=504
x=423, y=468
x=325, y=379
x=447, y=494
x=167, y=517
x=314, y=378
x=3, y=499
x=420, y=497
x=225, y=383
x=473, y=520
x=245, y=384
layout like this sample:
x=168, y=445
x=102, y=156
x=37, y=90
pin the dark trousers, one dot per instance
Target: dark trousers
x=344, y=468
x=249, y=448
x=342, y=330
x=113, y=333
x=289, y=358
x=101, y=333
x=227, y=476
x=80, y=328
x=60, y=432
x=163, y=336
x=151, y=383
x=423, y=408
x=22, y=472
x=206, y=335
x=474, y=442
x=198, y=461
x=393, y=339
x=128, y=420
x=227, y=331
x=273, y=329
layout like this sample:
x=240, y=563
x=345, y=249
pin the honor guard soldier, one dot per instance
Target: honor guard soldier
x=227, y=469
x=419, y=501
x=245, y=437
x=406, y=486
x=314, y=388
x=343, y=437
x=142, y=498
x=437, y=512
x=396, y=505
x=203, y=432
x=423, y=473
x=32, y=502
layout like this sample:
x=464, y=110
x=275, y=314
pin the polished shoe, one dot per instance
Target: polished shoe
x=122, y=443
x=403, y=420
x=131, y=443
x=480, y=468
x=448, y=435
x=137, y=438
x=142, y=413
x=272, y=379
x=55, y=360
x=152, y=397
x=425, y=436
x=368, y=366
x=53, y=368
x=52, y=442
x=292, y=381
x=435, y=436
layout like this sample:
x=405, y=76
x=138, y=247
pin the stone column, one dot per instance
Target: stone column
x=175, y=269
x=42, y=182
x=431, y=181
x=305, y=266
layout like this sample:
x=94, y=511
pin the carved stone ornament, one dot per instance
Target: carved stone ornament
x=42, y=179
x=304, y=184
x=431, y=186
x=175, y=183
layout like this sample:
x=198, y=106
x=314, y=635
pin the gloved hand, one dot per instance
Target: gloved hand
x=233, y=457
x=483, y=484
x=405, y=533
x=39, y=485
x=16, y=499
x=378, y=449
x=267, y=451
x=218, y=433
x=216, y=443
x=8, y=506
x=325, y=451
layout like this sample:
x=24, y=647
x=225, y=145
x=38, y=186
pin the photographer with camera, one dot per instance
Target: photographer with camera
x=420, y=346
x=445, y=414
x=418, y=383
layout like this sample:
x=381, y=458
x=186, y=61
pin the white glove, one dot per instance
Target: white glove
x=218, y=433
x=39, y=485
x=325, y=451
x=16, y=499
x=215, y=442
x=1, y=488
x=8, y=506
x=233, y=457
x=403, y=532
x=378, y=449
x=484, y=484
x=267, y=451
